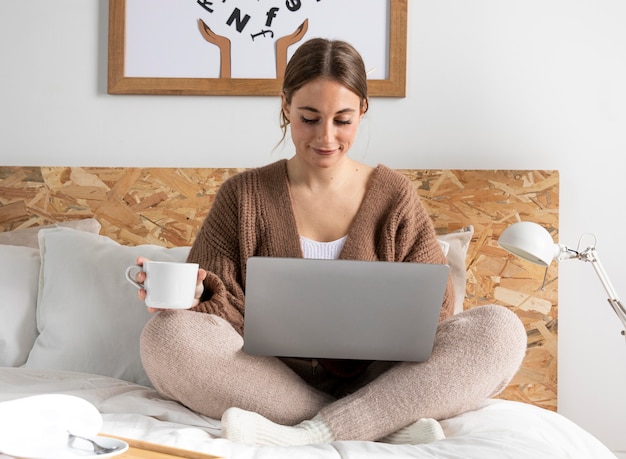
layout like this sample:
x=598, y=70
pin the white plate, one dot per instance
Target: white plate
x=46, y=452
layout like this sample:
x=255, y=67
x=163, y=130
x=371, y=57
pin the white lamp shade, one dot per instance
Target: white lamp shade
x=530, y=241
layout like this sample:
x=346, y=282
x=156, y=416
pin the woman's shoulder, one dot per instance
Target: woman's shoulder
x=391, y=180
x=383, y=168
x=253, y=176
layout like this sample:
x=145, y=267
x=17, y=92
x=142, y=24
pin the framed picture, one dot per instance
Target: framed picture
x=241, y=47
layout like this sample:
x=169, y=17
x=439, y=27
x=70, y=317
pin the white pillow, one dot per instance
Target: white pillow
x=445, y=246
x=458, y=243
x=88, y=316
x=19, y=277
x=28, y=236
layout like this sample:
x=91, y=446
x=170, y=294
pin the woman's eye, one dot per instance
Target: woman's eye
x=316, y=120
x=307, y=120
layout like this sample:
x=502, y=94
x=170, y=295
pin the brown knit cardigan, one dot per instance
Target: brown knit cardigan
x=252, y=215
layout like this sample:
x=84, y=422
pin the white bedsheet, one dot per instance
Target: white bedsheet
x=500, y=429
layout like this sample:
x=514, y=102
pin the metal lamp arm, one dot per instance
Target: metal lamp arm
x=591, y=255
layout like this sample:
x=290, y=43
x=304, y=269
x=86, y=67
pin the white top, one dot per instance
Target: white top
x=322, y=250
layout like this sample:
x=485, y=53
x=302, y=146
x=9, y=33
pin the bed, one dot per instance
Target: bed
x=71, y=322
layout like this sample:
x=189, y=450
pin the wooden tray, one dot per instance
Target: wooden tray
x=139, y=449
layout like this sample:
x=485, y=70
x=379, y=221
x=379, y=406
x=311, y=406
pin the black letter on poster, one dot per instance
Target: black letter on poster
x=293, y=5
x=236, y=16
x=206, y=4
x=271, y=14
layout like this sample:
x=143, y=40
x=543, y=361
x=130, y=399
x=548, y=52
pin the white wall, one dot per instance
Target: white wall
x=492, y=84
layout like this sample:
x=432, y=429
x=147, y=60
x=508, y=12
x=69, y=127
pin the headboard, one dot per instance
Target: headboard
x=166, y=206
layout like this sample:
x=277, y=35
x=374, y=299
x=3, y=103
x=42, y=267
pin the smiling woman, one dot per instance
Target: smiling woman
x=364, y=213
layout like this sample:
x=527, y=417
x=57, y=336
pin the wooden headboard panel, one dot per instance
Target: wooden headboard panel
x=166, y=206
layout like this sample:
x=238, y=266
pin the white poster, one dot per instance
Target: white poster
x=164, y=38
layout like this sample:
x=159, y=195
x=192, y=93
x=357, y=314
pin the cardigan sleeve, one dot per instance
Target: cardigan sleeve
x=216, y=250
x=416, y=240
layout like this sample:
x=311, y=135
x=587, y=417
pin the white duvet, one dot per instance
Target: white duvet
x=499, y=429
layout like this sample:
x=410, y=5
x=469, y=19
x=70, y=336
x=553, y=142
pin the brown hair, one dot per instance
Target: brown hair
x=332, y=59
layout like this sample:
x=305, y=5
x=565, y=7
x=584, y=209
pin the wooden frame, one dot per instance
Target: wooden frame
x=118, y=83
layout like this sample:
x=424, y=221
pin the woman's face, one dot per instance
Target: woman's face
x=324, y=117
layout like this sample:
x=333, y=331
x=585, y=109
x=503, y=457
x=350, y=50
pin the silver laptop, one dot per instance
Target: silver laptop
x=342, y=309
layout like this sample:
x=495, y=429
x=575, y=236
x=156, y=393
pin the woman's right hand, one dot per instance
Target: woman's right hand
x=199, y=287
x=141, y=278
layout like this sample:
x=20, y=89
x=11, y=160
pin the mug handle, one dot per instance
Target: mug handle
x=130, y=275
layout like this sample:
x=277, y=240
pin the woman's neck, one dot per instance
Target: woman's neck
x=343, y=173
x=325, y=202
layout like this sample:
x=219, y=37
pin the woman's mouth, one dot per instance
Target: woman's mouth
x=324, y=151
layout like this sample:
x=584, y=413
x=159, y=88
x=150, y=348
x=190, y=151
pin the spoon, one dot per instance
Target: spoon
x=97, y=448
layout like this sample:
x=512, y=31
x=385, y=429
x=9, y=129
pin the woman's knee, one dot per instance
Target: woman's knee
x=490, y=321
x=504, y=328
x=494, y=332
x=169, y=329
x=173, y=340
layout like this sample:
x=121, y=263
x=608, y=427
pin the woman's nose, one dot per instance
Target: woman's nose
x=327, y=131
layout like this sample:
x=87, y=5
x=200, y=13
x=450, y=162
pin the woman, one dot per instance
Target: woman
x=321, y=203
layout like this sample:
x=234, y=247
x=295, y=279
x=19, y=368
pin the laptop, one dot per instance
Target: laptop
x=342, y=309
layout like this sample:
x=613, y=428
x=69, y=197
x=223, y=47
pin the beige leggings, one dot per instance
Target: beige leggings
x=197, y=359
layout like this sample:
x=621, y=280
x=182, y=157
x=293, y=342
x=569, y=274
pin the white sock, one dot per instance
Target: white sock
x=423, y=430
x=251, y=428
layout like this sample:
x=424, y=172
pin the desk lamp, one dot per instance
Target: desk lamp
x=532, y=242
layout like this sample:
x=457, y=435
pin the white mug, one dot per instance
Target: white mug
x=168, y=285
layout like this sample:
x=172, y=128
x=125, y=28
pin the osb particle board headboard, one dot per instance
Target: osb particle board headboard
x=166, y=206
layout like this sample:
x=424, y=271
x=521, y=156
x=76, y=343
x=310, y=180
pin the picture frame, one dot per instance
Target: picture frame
x=129, y=25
